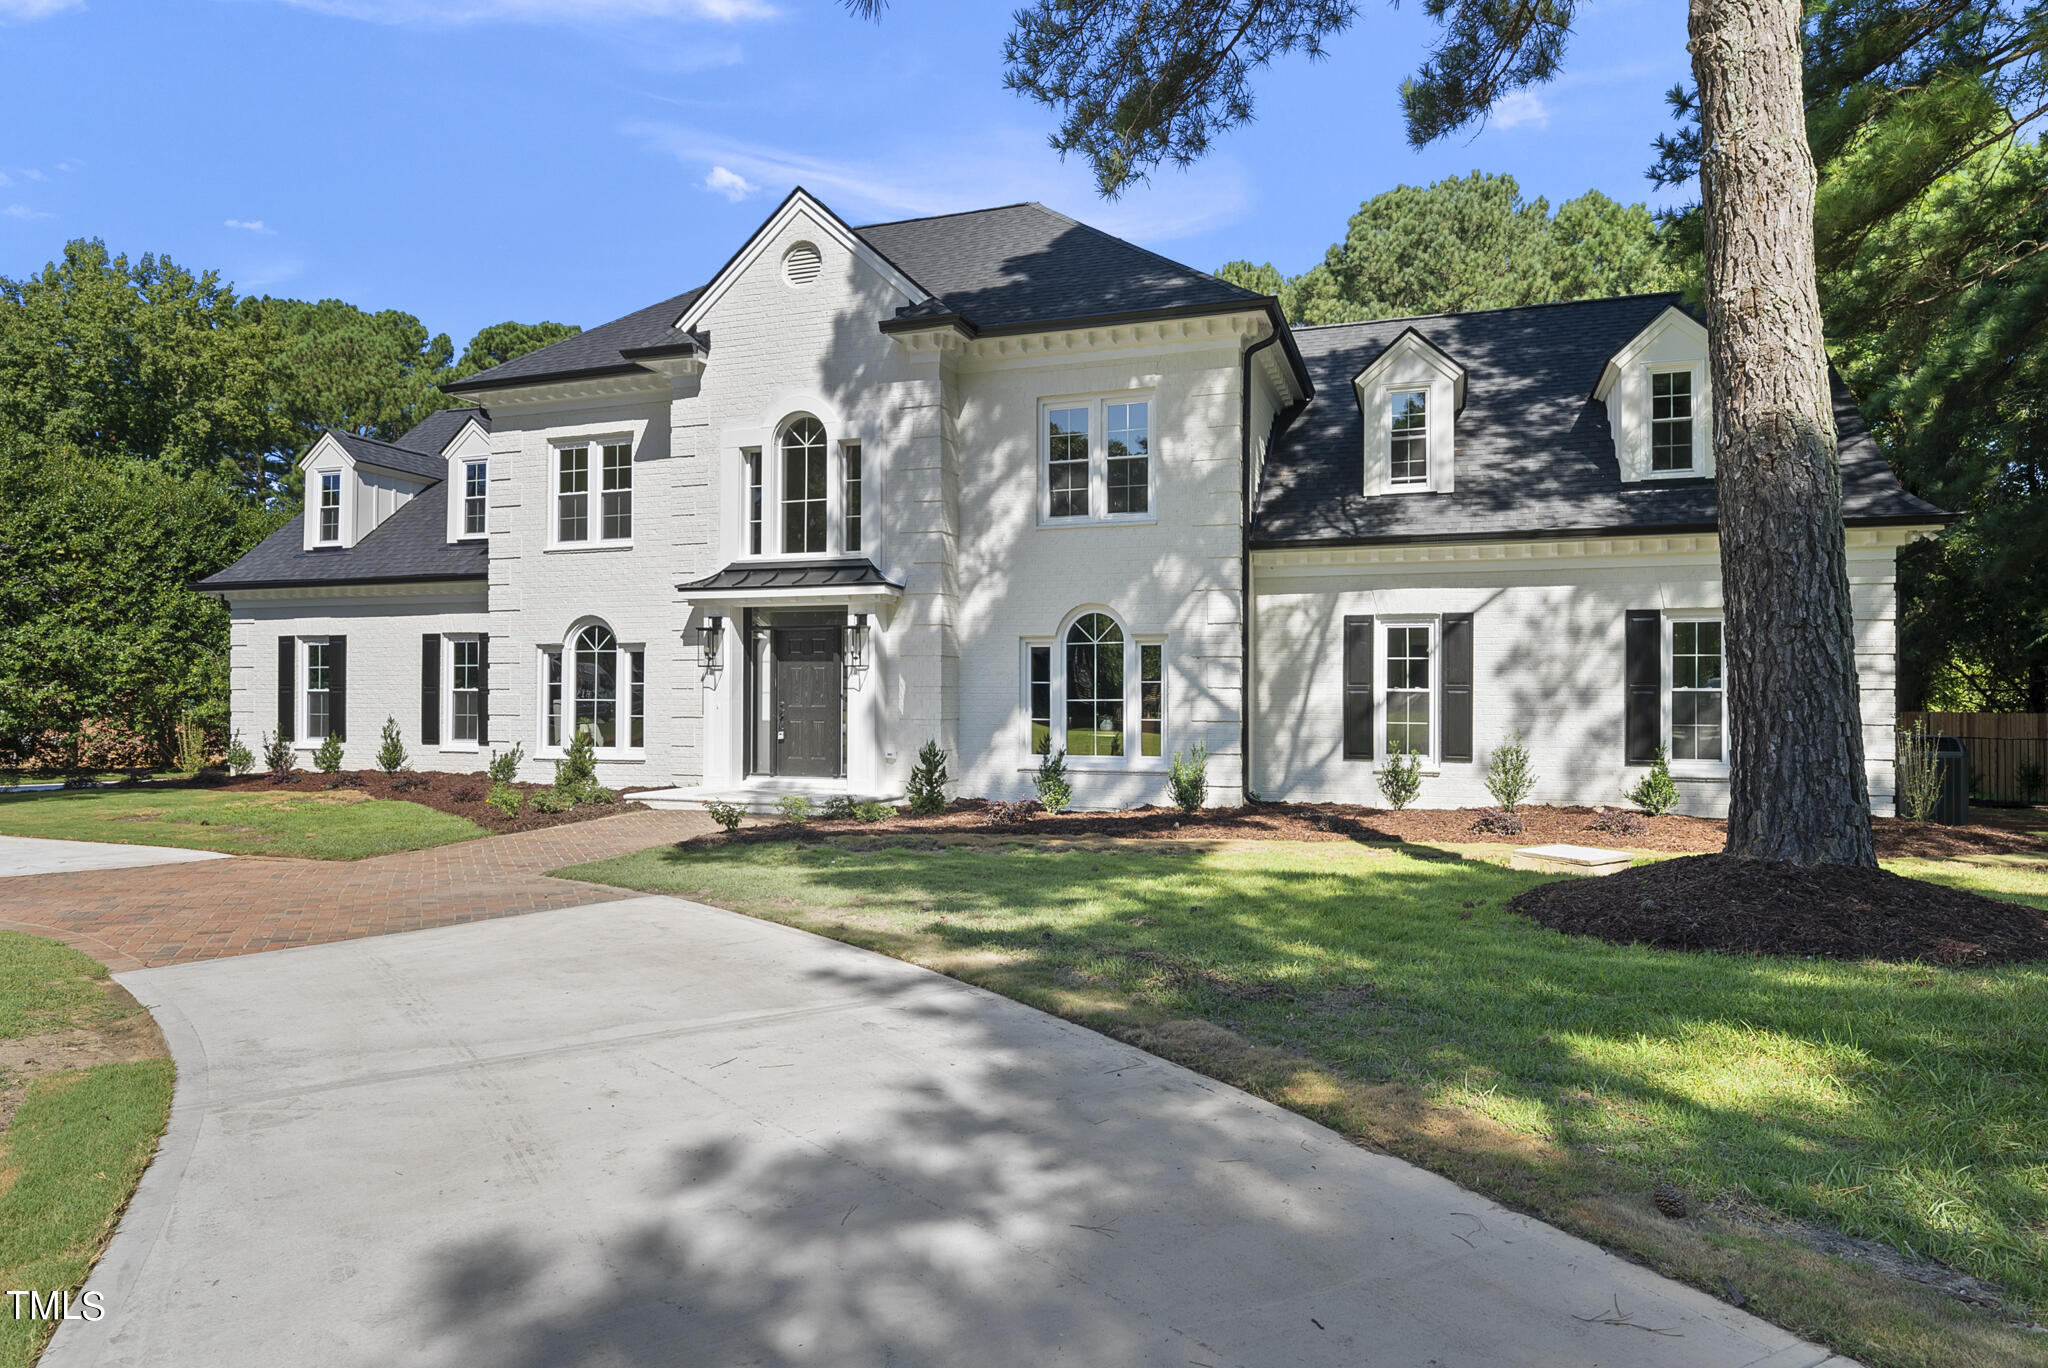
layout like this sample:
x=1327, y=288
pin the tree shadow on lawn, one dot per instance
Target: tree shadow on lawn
x=1892, y=1101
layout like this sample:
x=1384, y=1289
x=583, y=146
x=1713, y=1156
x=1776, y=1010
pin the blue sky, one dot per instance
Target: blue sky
x=475, y=160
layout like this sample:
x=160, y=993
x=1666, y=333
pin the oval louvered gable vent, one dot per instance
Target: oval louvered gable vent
x=801, y=264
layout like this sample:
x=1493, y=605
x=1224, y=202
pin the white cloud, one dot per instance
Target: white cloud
x=534, y=11
x=34, y=9
x=34, y=174
x=974, y=171
x=22, y=211
x=4, y=180
x=250, y=225
x=1523, y=109
x=730, y=184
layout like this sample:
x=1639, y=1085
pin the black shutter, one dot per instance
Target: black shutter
x=1457, y=668
x=430, y=689
x=287, y=684
x=1644, y=668
x=1358, y=688
x=483, y=689
x=337, y=686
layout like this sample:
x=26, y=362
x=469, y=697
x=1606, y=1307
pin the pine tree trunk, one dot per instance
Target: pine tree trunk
x=1796, y=784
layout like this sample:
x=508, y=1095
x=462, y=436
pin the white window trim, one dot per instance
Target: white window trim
x=1098, y=458
x=623, y=682
x=594, y=491
x=341, y=518
x=1131, y=761
x=1411, y=362
x=1381, y=626
x=1702, y=426
x=1668, y=677
x=302, y=661
x=770, y=447
x=1428, y=480
x=458, y=527
x=448, y=741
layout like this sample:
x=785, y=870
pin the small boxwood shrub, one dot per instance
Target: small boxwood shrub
x=1655, y=794
x=552, y=800
x=505, y=765
x=1510, y=776
x=1400, y=779
x=1187, y=781
x=873, y=811
x=505, y=799
x=727, y=815
x=327, y=759
x=838, y=808
x=795, y=808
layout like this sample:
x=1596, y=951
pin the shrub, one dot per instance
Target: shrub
x=278, y=756
x=391, y=756
x=192, y=748
x=327, y=759
x=1619, y=822
x=872, y=811
x=1055, y=794
x=505, y=765
x=464, y=793
x=1001, y=813
x=1401, y=779
x=578, y=765
x=795, y=808
x=1919, y=774
x=505, y=799
x=237, y=758
x=838, y=808
x=1654, y=793
x=1498, y=822
x=727, y=815
x=552, y=800
x=1509, y=775
x=1187, y=781
x=928, y=781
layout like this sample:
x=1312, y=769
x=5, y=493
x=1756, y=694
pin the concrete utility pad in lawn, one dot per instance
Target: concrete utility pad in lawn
x=648, y=1132
x=35, y=855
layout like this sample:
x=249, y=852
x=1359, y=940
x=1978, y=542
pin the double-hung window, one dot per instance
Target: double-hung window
x=1697, y=733
x=465, y=689
x=1408, y=421
x=1410, y=648
x=475, y=489
x=1671, y=420
x=330, y=505
x=1083, y=695
x=606, y=470
x=318, y=694
x=1096, y=458
x=594, y=685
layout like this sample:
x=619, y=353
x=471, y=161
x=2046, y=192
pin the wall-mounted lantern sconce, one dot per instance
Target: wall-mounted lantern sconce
x=713, y=629
x=856, y=639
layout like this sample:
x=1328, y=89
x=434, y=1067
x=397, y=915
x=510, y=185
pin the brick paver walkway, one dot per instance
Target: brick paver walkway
x=168, y=914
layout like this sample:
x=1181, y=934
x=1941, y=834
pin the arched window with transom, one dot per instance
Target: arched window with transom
x=805, y=482
x=1096, y=692
x=1095, y=686
x=595, y=685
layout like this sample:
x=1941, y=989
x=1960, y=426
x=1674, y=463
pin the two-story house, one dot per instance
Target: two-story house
x=1006, y=482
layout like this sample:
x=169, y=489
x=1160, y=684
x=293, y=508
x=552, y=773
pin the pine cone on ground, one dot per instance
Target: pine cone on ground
x=1669, y=1198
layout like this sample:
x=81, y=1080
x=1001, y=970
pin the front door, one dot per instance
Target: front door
x=805, y=696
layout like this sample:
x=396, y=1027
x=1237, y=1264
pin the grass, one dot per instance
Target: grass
x=320, y=825
x=80, y=1140
x=1385, y=991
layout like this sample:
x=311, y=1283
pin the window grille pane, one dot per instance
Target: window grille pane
x=1130, y=465
x=597, y=695
x=754, y=501
x=554, y=708
x=1041, y=700
x=1067, y=461
x=1149, y=699
x=330, y=507
x=465, y=676
x=573, y=496
x=637, y=716
x=1095, y=687
x=475, y=504
x=1408, y=690
x=803, y=487
x=1408, y=415
x=851, y=453
x=1671, y=420
x=1696, y=701
x=618, y=492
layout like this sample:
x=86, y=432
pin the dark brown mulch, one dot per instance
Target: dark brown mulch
x=1763, y=907
x=459, y=794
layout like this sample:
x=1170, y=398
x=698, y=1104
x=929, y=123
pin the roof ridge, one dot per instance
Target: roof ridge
x=1498, y=308
x=957, y=213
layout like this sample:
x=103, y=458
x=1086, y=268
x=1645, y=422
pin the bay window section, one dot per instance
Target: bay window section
x=804, y=485
x=1696, y=691
x=1408, y=689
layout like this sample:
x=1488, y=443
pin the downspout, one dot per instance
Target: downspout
x=1244, y=565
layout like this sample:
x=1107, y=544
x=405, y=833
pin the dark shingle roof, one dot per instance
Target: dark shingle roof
x=411, y=544
x=1021, y=265
x=835, y=574
x=1534, y=454
x=433, y=433
x=392, y=456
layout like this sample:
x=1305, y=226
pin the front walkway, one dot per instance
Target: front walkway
x=172, y=913
x=649, y=1132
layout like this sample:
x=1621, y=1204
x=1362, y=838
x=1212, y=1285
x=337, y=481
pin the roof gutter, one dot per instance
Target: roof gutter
x=1932, y=519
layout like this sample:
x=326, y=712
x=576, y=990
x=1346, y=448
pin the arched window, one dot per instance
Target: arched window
x=1095, y=686
x=804, y=482
x=606, y=691
x=597, y=685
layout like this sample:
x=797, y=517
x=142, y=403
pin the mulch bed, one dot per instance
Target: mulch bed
x=1763, y=907
x=459, y=794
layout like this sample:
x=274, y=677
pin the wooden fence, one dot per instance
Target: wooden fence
x=2008, y=751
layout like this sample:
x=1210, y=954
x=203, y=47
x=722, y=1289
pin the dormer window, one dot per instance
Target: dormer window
x=330, y=506
x=1408, y=423
x=475, y=486
x=1671, y=420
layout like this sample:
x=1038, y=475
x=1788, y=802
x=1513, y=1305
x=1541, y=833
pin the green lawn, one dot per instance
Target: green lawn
x=315, y=823
x=1385, y=991
x=80, y=1140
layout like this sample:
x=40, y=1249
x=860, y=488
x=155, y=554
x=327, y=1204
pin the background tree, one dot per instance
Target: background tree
x=1472, y=242
x=1138, y=82
x=502, y=342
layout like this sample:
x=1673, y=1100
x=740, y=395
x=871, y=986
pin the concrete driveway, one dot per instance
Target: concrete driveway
x=648, y=1132
x=21, y=856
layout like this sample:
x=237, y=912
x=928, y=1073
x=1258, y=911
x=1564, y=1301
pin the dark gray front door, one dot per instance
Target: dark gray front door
x=806, y=699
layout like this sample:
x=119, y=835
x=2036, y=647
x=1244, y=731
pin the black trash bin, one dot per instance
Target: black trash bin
x=1953, y=761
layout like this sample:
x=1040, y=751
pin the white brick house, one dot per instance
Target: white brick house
x=1002, y=481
